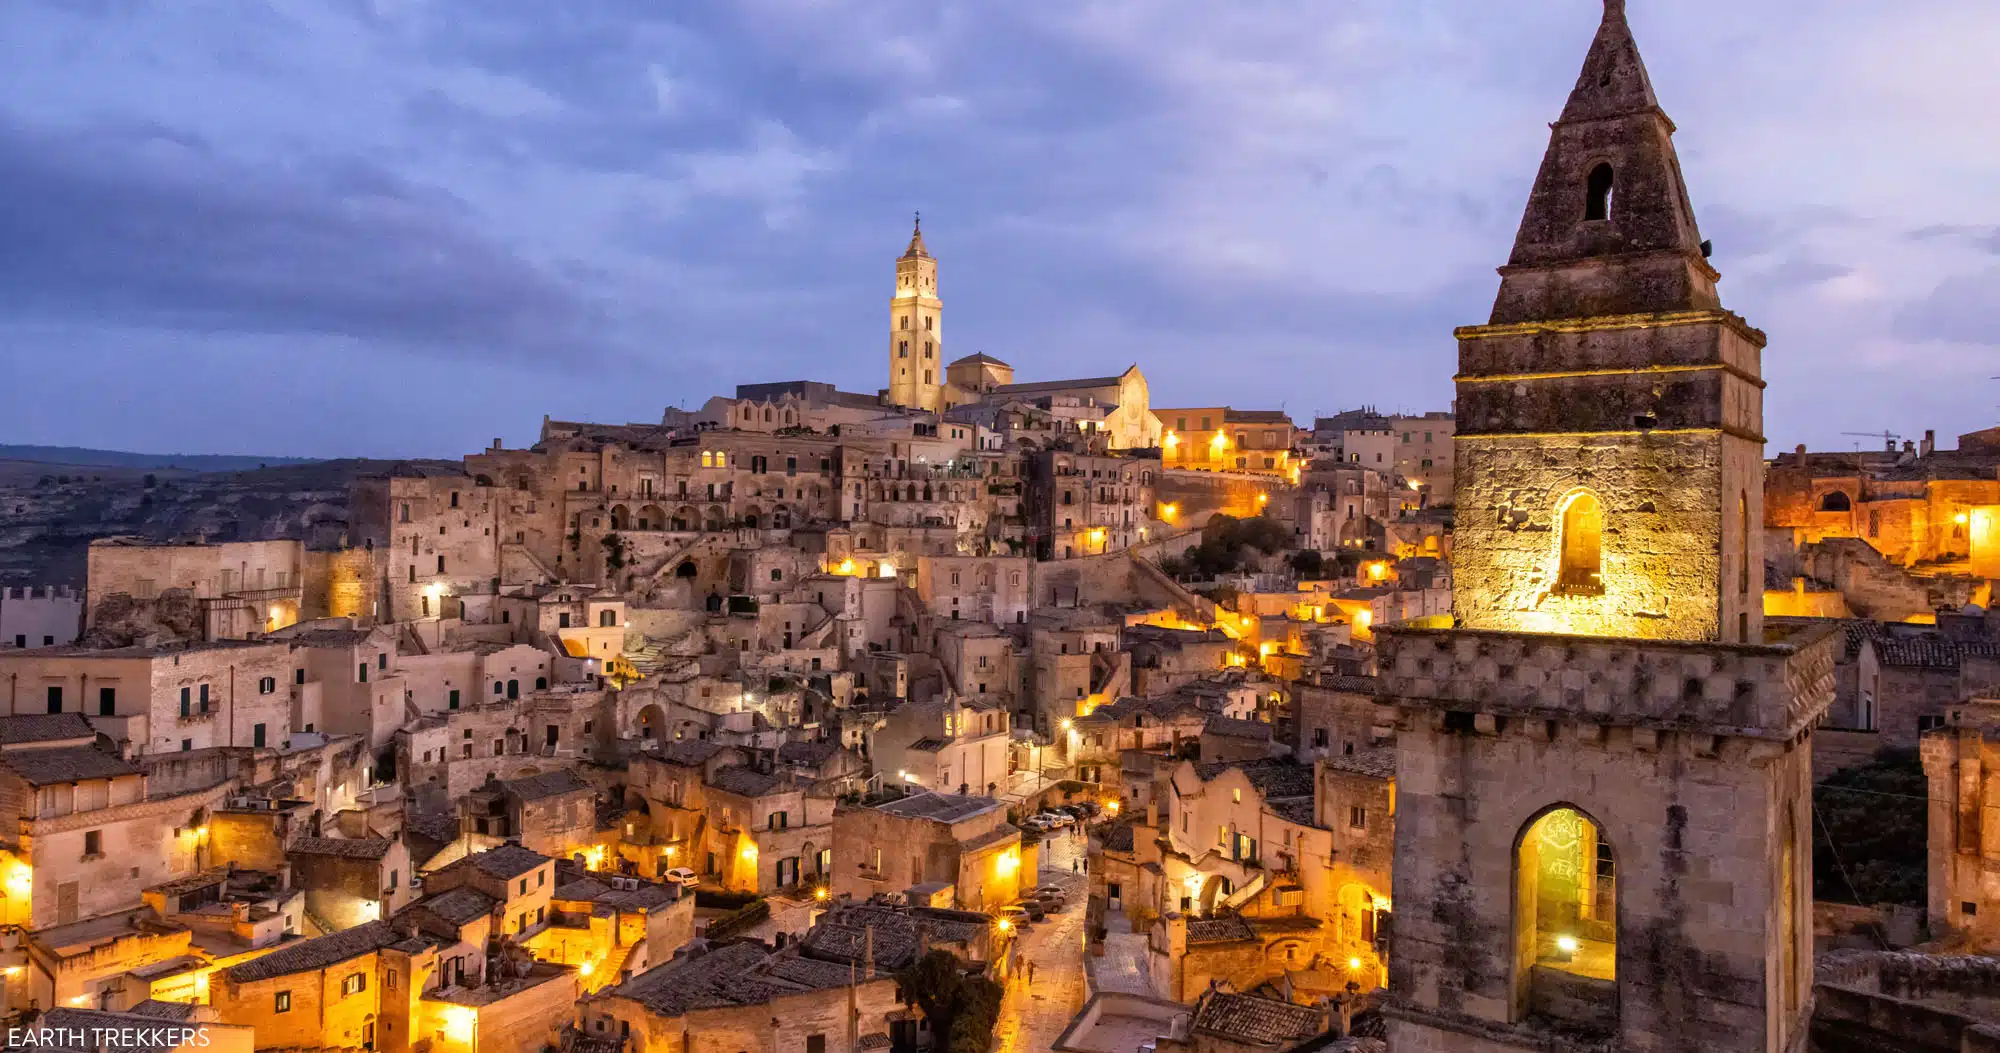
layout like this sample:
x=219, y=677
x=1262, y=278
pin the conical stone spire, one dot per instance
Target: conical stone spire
x=916, y=249
x=1613, y=81
x=1608, y=229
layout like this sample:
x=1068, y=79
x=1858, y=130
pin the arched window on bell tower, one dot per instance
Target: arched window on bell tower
x=1565, y=909
x=1597, y=205
x=1581, y=546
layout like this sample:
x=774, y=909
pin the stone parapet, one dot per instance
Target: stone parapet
x=1770, y=691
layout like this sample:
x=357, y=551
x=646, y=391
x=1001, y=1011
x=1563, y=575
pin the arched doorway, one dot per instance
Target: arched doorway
x=621, y=517
x=686, y=570
x=652, y=723
x=1566, y=907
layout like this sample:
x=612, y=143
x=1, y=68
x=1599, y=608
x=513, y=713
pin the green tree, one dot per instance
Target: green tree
x=1308, y=563
x=614, y=551
x=960, y=1006
x=1869, y=831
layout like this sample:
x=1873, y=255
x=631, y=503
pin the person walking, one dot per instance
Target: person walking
x=1031, y=972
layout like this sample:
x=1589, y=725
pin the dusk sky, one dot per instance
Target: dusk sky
x=406, y=228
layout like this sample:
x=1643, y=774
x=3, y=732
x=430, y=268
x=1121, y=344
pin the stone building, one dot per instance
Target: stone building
x=961, y=842
x=1081, y=504
x=161, y=699
x=1221, y=439
x=952, y=745
x=349, y=881
x=39, y=615
x=243, y=587
x=1606, y=833
x=743, y=998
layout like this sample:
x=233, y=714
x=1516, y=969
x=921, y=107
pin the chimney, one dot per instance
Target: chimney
x=868, y=954
x=1153, y=813
x=1930, y=441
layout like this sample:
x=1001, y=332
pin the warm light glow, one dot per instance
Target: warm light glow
x=460, y=1022
x=80, y=1000
x=1169, y=510
x=1566, y=944
x=888, y=569
x=593, y=857
x=670, y=851
x=1354, y=963
x=1067, y=724
x=821, y=893
x=1003, y=925
x=749, y=853
x=1378, y=571
x=277, y=613
x=1264, y=649
x=1171, y=440
x=1008, y=862
x=1261, y=498
x=13, y=971
x=846, y=566
x=1111, y=805
x=1362, y=618
x=586, y=967
x=1961, y=519
x=1097, y=536
x=1220, y=442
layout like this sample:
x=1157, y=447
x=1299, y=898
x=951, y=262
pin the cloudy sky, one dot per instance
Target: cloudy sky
x=407, y=227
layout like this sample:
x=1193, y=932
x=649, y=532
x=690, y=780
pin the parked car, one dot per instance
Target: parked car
x=1057, y=819
x=1047, y=890
x=683, y=877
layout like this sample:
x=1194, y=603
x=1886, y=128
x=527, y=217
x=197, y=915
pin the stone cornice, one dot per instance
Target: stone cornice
x=1728, y=319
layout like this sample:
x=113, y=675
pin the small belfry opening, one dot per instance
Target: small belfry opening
x=1581, y=546
x=1566, y=917
x=1598, y=189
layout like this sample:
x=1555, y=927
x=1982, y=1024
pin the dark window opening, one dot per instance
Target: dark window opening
x=1598, y=205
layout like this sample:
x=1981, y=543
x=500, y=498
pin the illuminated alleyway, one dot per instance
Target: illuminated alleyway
x=1033, y=1016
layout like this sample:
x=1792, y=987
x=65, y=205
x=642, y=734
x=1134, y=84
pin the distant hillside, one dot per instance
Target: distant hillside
x=193, y=462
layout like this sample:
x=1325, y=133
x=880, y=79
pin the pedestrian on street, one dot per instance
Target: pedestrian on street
x=1031, y=972
x=1075, y=866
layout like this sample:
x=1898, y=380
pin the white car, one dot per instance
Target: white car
x=683, y=877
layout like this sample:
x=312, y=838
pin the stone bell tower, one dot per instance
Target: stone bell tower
x=1603, y=829
x=916, y=330
x=1610, y=413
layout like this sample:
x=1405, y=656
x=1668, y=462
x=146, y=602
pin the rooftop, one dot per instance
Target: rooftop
x=547, y=784
x=345, y=848
x=1248, y=1018
x=44, y=767
x=940, y=807
x=45, y=727
x=320, y=952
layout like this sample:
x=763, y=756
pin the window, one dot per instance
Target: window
x=267, y=685
x=1597, y=204
x=107, y=701
x=354, y=984
x=298, y=676
x=202, y=695
x=361, y=673
x=562, y=619
x=283, y=1002
x=93, y=844
x=451, y=700
x=257, y=736
x=1357, y=817
x=389, y=975
x=55, y=699
x=1582, y=553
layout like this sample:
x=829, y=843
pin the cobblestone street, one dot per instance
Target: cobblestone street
x=1035, y=1014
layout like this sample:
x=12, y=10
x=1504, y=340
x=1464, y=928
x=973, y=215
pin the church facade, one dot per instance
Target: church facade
x=921, y=379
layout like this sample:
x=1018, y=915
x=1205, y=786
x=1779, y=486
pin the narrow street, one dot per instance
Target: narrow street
x=1034, y=1014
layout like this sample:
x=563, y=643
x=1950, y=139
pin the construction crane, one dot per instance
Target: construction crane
x=1889, y=438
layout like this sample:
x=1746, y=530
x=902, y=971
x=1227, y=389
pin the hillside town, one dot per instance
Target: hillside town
x=995, y=712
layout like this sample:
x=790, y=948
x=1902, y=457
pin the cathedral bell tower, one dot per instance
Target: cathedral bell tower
x=1604, y=769
x=916, y=330
x=1610, y=413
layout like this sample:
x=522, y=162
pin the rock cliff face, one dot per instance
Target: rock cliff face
x=49, y=514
